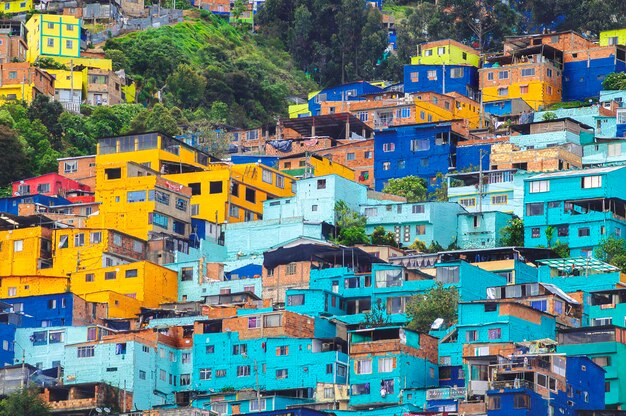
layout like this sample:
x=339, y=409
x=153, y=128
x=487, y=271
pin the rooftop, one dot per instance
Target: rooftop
x=585, y=263
x=576, y=172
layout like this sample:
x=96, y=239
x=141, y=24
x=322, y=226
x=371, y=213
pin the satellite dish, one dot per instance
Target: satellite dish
x=437, y=324
x=98, y=410
x=107, y=410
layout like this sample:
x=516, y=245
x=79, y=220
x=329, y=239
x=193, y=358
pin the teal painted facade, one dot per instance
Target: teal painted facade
x=428, y=221
x=481, y=230
x=45, y=347
x=471, y=281
x=503, y=190
x=582, y=207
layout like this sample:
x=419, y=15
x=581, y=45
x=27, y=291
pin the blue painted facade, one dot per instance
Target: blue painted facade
x=269, y=161
x=582, y=208
x=583, y=79
x=434, y=151
x=468, y=156
x=345, y=92
x=427, y=78
x=45, y=310
x=10, y=205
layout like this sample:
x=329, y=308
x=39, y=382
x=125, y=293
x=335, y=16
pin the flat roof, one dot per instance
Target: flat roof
x=570, y=263
x=330, y=125
x=576, y=172
x=525, y=128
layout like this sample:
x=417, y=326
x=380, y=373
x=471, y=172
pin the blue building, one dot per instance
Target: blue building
x=346, y=92
x=423, y=150
x=10, y=205
x=579, y=207
x=442, y=79
x=582, y=79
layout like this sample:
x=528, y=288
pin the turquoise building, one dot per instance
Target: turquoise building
x=427, y=221
x=580, y=208
x=481, y=229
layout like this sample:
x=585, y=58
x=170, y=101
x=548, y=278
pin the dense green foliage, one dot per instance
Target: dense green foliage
x=613, y=251
x=384, y=238
x=334, y=41
x=412, y=188
x=615, y=81
x=438, y=302
x=26, y=402
x=351, y=225
x=512, y=235
x=196, y=64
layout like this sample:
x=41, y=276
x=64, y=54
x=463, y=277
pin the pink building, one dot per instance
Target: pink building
x=50, y=184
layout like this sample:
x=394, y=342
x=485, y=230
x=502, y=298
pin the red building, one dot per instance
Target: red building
x=53, y=184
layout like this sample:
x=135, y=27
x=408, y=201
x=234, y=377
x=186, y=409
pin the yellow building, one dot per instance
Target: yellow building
x=53, y=35
x=434, y=107
x=148, y=283
x=136, y=199
x=25, y=251
x=20, y=286
x=68, y=85
x=77, y=249
x=233, y=193
x=446, y=52
x=613, y=37
x=311, y=164
x=17, y=6
x=118, y=305
x=299, y=110
x=154, y=150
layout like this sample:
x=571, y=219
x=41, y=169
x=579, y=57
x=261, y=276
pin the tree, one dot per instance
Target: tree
x=613, y=251
x=186, y=86
x=383, y=238
x=26, y=402
x=158, y=118
x=15, y=163
x=561, y=249
x=412, y=188
x=512, y=235
x=418, y=245
x=48, y=112
x=352, y=235
x=377, y=316
x=615, y=81
x=118, y=58
x=210, y=137
x=351, y=225
x=549, y=115
x=438, y=302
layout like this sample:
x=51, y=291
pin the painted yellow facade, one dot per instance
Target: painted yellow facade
x=613, y=37
x=18, y=6
x=119, y=306
x=299, y=110
x=446, y=52
x=12, y=92
x=154, y=150
x=53, y=36
x=66, y=80
x=129, y=93
x=233, y=193
x=24, y=252
x=138, y=201
x=148, y=283
x=20, y=286
x=97, y=63
x=536, y=94
x=432, y=107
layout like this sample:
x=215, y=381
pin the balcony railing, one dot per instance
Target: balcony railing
x=511, y=384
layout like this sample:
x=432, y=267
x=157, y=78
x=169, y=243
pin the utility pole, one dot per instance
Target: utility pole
x=480, y=181
x=258, y=390
x=72, y=80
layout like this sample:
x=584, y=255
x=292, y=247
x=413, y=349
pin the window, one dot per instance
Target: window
x=142, y=375
x=85, y=352
x=499, y=199
x=43, y=188
x=563, y=230
x=535, y=232
x=120, y=348
x=329, y=392
x=495, y=333
x=210, y=349
x=239, y=349
x=420, y=229
x=70, y=167
x=220, y=373
x=418, y=145
x=493, y=403
x=534, y=209
x=110, y=275
x=52, y=304
x=130, y=273
x=401, y=164
x=281, y=374
x=250, y=195
x=604, y=361
x=350, y=156
x=272, y=321
x=89, y=277
x=234, y=211
x=243, y=370
x=528, y=72
x=18, y=245
x=95, y=237
x=215, y=187
x=282, y=350
x=523, y=89
x=50, y=43
x=363, y=367
x=490, y=76
x=540, y=305
x=254, y=405
x=385, y=365
x=358, y=389
x=363, y=115
x=539, y=186
x=415, y=76
x=406, y=112
x=69, y=44
x=386, y=165
x=389, y=147
x=205, y=374
x=160, y=220
x=321, y=184
x=457, y=73
x=503, y=75
x=56, y=337
x=79, y=240
x=471, y=336
x=431, y=75
x=468, y=202
x=521, y=401
x=295, y=300
x=591, y=182
x=290, y=269
x=254, y=322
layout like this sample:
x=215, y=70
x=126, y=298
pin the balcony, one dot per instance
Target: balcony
x=511, y=384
